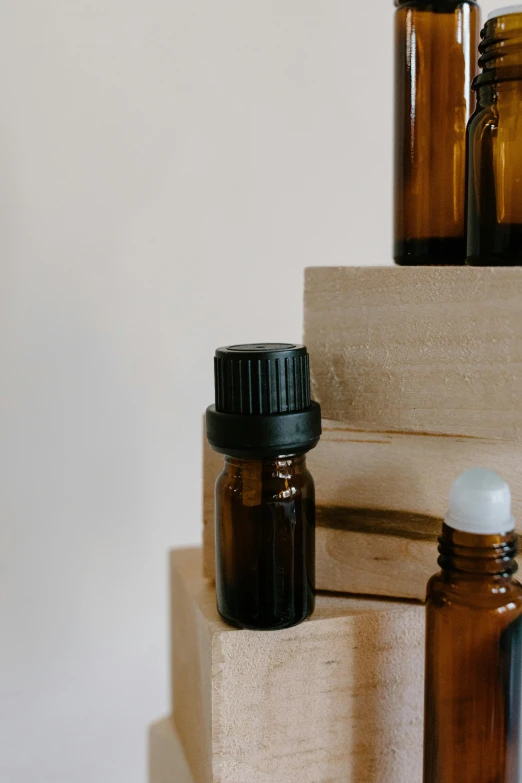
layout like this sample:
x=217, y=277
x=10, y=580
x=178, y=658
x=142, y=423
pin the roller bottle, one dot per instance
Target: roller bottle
x=473, y=640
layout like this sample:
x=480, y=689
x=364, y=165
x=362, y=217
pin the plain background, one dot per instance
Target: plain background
x=168, y=170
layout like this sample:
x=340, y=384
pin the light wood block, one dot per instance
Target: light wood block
x=380, y=499
x=338, y=698
x=418, y=349
x=167, y=762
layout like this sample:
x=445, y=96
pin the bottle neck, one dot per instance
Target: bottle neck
x=436, y=6
x=280, y=467
x=500, y=50
x=486, y=94
x=477, y=555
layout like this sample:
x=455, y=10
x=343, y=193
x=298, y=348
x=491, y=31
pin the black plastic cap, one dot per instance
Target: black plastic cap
x=263, y=406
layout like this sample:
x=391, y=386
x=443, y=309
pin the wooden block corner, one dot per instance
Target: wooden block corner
x=418, y=349
x=337, y=698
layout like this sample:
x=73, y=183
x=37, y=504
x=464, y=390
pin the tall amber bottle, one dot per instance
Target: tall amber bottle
x=494, y=183
x=435, y=61
x=473, y=640
x=264, y=422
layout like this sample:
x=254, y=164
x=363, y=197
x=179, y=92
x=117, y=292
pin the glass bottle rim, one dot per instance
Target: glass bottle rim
x=506, y=10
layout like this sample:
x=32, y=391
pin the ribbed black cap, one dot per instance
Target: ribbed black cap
x=263, y=405
x=264, y=378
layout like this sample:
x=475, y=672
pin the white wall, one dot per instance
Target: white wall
x=168, y=170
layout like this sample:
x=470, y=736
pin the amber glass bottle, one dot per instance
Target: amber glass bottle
x=265, y=542
x=473, y=640
x=494, y=180
x=264, y=422
x=435, y=62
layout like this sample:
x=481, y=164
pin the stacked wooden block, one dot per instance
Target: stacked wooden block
x=419, y=375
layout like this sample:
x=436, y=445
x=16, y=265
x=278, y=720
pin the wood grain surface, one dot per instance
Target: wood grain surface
x=380, y=499
x=419, y=349
x=336, y=699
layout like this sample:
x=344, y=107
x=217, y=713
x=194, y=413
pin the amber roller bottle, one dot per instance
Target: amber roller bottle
x=473, y=640
x=264, y=422
x=435, y=61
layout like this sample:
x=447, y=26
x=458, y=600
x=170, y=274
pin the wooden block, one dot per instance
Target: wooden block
x=212, y=467
x=338, y=698
x=419, y=349
x=380, y=500
x=167, y=762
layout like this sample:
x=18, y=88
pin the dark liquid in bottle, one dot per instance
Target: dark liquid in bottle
x=500, y=245
x=265, y=543
x=435, y=251
x=511, y=652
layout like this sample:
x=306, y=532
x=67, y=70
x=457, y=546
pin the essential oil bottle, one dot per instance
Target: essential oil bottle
x=264, y=422
x=473, y=640
x=494, y=185
x=435, y=61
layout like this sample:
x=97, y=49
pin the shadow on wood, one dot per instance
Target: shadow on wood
x=380, y=501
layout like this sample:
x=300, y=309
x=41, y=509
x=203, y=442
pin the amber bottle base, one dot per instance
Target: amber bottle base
x=504, y=247
x=264, y=624
x=258, y=616
x=434, y=251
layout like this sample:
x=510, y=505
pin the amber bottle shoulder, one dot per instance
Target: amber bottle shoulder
x=474, y=592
